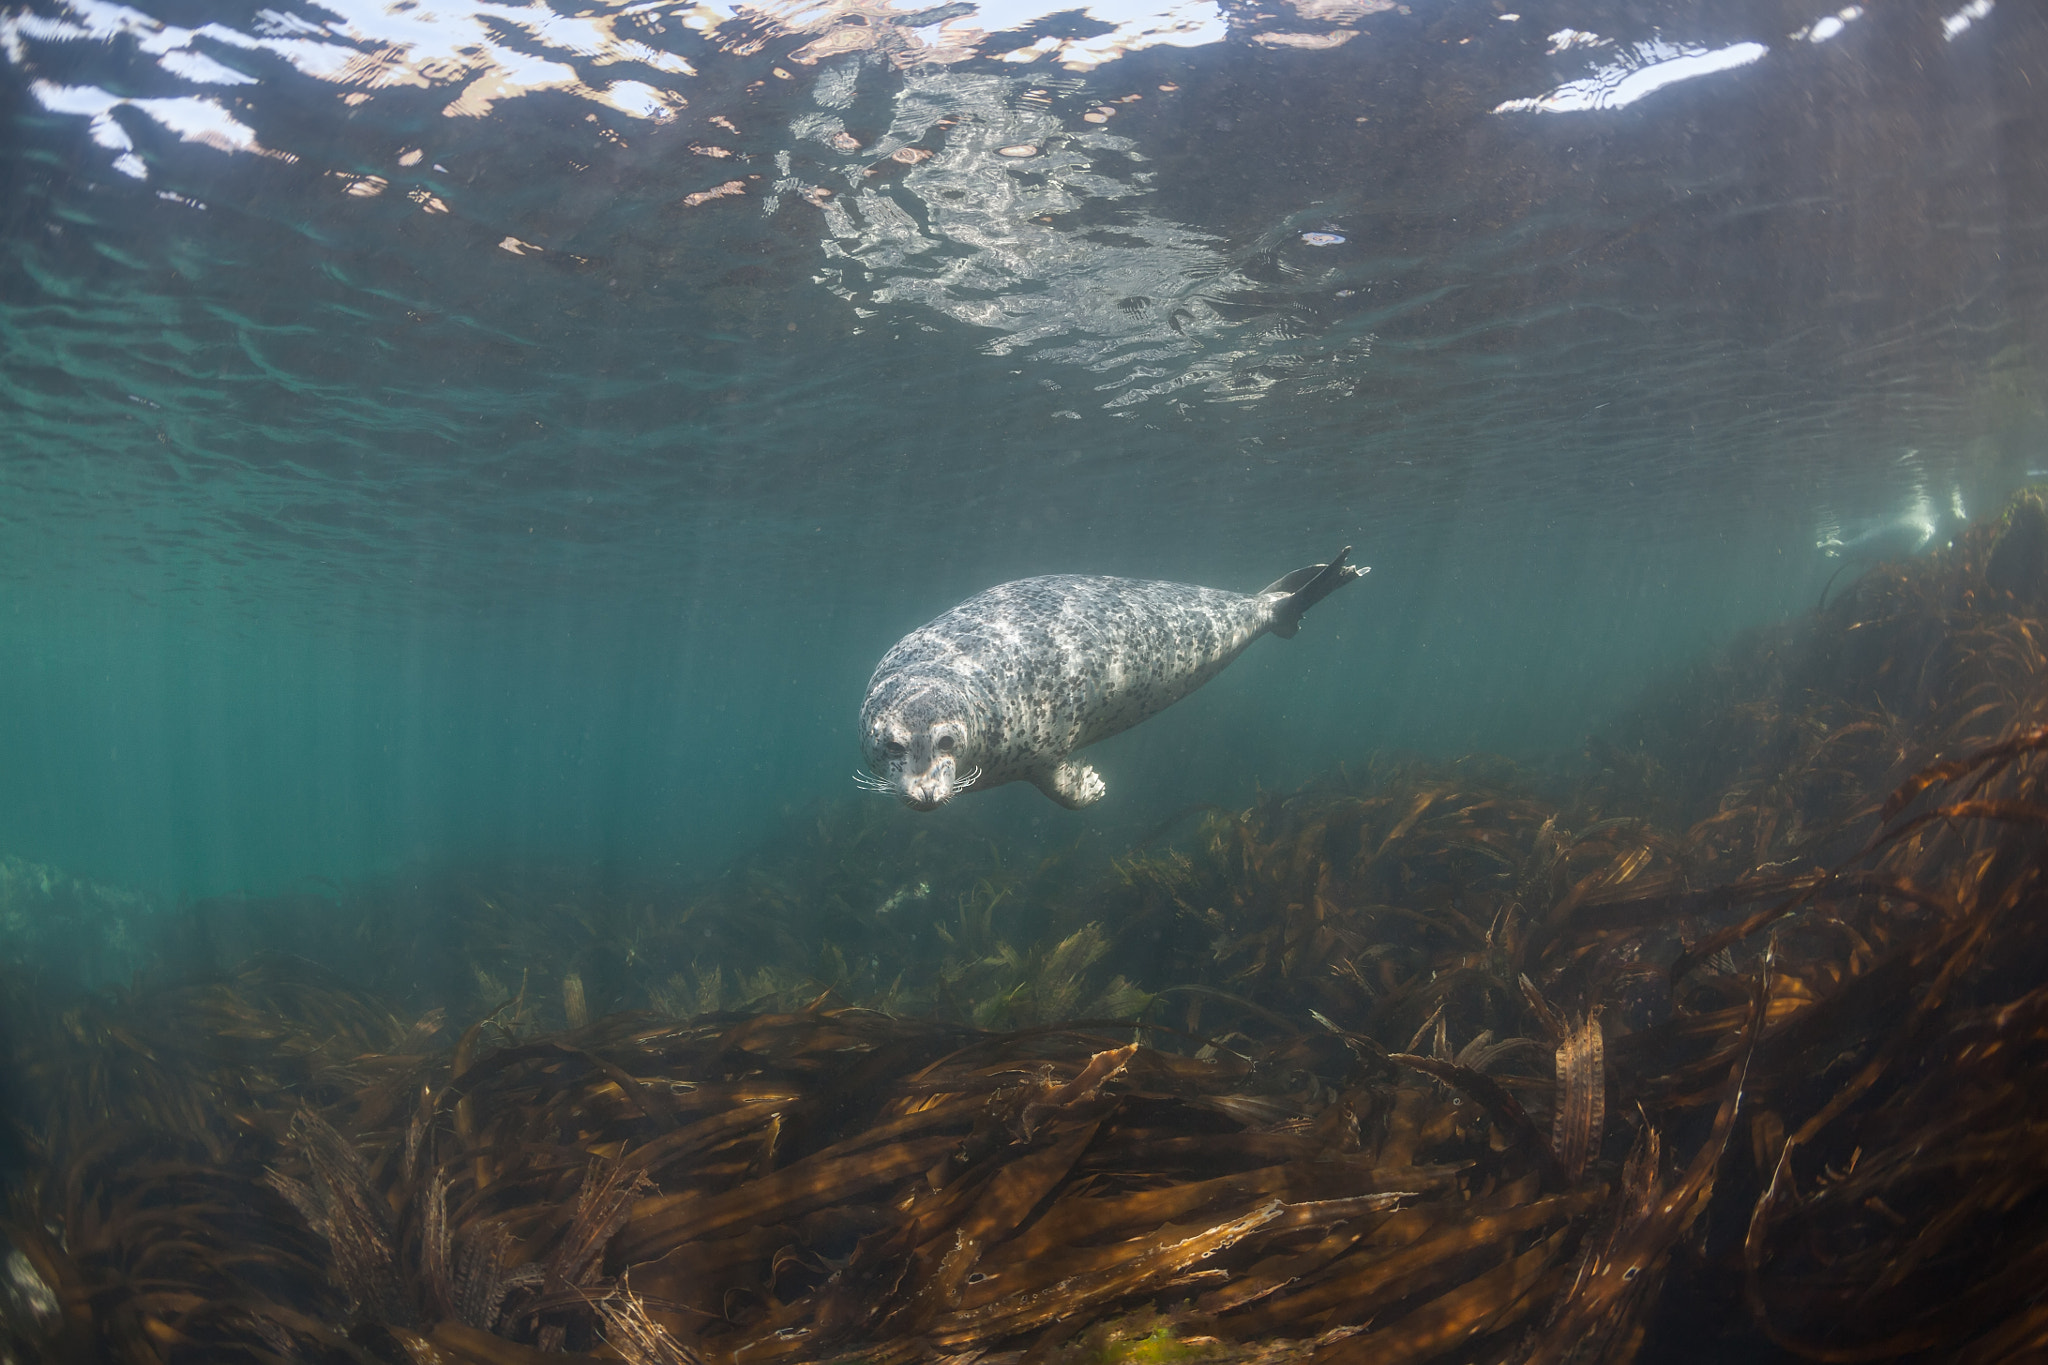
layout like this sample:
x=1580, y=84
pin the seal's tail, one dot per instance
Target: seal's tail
x=1304, y=588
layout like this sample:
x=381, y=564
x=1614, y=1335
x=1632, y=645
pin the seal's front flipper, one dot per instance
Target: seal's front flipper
x=1306, y=587
x=1072, y=784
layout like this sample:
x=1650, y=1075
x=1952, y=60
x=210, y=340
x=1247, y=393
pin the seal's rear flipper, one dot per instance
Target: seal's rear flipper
x=1306, y=587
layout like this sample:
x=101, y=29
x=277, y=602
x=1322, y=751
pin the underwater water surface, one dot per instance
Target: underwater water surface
x=503, y=431
x=461, y=462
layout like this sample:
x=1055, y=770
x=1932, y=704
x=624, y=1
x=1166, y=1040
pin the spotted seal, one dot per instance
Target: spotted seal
x=1007, y=685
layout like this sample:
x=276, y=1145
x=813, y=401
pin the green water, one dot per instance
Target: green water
x=341, y=537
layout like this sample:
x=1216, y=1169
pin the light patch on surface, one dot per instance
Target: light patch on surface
x=1307, y=41
x=201, y=69
x=1138, y=24
x=1565, y=39
x=1955, y=25
x=192, y=118
x=642, y=101
x=726, y=191
x=200, y=120
x=1340, y=11
x=1825, y=28
x=1642, y=70
x=515, y=75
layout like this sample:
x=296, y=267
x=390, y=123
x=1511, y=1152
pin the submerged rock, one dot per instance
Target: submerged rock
x=73, y=927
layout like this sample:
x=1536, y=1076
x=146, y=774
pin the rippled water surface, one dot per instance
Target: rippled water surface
x=445, y=427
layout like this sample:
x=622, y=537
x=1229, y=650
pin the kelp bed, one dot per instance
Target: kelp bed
x=1733, y=1053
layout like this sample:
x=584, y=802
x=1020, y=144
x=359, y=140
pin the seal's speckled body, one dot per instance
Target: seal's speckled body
x=1012, y=681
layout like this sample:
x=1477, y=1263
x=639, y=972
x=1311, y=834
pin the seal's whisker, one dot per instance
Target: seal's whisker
x=868, y=782
x=961, y=784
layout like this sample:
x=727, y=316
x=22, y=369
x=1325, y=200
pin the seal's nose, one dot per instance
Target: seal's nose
x=931, y=788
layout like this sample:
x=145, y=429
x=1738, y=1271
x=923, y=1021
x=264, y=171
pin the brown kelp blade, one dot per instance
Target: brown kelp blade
x=1581, y=1111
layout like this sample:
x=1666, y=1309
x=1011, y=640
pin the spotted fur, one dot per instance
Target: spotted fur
x=1007, y=685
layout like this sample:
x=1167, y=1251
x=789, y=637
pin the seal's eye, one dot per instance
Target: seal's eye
x=892, y=748
x=945, y=744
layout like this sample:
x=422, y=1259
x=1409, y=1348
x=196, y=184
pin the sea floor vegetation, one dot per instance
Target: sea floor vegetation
x=1730, y=1051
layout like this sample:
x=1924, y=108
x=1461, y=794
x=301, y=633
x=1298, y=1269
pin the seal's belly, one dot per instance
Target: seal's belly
x=1072, y=660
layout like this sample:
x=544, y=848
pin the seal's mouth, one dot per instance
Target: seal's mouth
x=928, y=790
x=932, y=788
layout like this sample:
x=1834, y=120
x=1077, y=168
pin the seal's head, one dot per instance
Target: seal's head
x=918, y=743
